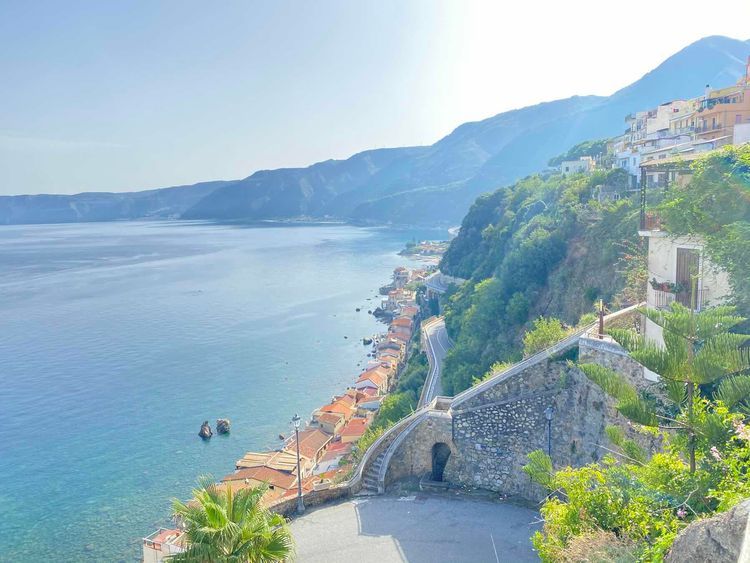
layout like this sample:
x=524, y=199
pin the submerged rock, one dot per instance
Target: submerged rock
x=222, y=425
x=205, y=431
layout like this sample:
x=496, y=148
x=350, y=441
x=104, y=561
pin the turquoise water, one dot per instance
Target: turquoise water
x=118, y=339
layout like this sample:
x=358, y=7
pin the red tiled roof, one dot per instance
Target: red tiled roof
x=401, y=337
x=330, y=417
x=311, y=441
x=401, y=321
x=373, y=376
x=355, y=427
x=339, y=447
x=272, y=476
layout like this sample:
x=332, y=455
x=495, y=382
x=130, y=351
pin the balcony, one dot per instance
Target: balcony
x=163, y=543
x=650, y=221
x=664, y=299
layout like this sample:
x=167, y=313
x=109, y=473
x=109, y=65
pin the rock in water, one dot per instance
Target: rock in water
x=222, y=425
x=205, y=431
x=367, y=341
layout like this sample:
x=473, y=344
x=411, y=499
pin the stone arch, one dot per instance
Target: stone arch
x=440, y=454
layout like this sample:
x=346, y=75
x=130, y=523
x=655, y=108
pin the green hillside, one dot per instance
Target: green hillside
x=542, y=247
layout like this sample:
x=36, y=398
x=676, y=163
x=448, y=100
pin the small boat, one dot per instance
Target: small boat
x=281, y=437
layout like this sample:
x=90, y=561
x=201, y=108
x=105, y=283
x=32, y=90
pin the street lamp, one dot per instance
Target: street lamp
x=300, y=504
x=548, y=412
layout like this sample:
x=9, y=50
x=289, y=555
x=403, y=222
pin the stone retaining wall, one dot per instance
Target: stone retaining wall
x=491, y=435
x=288, y=507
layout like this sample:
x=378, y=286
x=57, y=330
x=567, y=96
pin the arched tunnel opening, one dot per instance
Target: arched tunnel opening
x=440, y=454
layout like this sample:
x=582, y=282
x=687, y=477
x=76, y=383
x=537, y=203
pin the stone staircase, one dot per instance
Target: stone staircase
x=370, y=478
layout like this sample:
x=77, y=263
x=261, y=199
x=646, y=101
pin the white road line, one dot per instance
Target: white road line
x=497, y=559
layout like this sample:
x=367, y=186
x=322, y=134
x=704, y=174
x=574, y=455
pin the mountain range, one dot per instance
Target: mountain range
x=434, y=184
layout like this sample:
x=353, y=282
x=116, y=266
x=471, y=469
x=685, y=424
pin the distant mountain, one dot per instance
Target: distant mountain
x=164, y=203
x=438, y=183
x=299, y=192
x=434, y=184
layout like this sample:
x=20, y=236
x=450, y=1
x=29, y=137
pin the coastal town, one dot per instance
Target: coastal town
x=327, y=441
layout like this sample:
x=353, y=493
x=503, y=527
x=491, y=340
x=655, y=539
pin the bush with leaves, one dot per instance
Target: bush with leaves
x=545, y=333
x=704, y=465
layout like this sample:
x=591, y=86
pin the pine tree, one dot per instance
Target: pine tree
x=699, y=352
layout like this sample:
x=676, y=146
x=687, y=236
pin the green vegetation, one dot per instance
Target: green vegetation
x=587, y=148
x=542, y=247
x=715, y=204
x=224, y=525
x=643, y=500
x=545, y=333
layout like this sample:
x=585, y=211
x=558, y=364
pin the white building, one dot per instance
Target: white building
x=163, y=543
x=583, y=165
x=741, y=133
x=675, y=263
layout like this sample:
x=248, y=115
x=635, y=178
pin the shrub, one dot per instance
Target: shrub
x=544, y=334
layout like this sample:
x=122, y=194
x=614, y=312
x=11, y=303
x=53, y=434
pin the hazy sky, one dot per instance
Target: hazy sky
x=122, y=95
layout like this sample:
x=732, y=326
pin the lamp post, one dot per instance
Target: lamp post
x=300, y=504
x=548, y=412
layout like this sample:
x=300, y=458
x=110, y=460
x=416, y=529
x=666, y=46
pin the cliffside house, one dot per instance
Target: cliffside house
x=354, y=430
x=583, y=165
x=373, y=380
x=400, y=277
x=330, y=422
x=279, y=482
x=676, y=262
x=369, y=406
x=163, y=543
x=312, y=444
x=345, y=405
x=333, y=457
x=279, y=460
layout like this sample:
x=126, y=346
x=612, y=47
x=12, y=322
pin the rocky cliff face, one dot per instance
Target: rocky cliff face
x=724, y=538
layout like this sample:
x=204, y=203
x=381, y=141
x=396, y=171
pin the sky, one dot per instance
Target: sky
x=124, y=95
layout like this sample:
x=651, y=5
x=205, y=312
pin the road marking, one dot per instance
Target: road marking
x=494, y=549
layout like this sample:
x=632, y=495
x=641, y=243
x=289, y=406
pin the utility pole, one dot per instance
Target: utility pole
x=601, y=319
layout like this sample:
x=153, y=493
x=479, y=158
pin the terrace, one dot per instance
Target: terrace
x=163, y=543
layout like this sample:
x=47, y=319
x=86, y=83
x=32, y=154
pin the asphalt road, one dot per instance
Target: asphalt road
x=438, y=345
x=417, y=529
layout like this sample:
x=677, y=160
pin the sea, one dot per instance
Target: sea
x=117, y=340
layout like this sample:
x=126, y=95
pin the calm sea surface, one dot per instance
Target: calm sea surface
x=118, y=339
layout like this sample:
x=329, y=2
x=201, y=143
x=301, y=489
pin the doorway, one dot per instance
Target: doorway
x=440, y=454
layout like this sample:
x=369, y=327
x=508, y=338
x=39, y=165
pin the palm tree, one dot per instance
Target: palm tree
x=698, y=350
x=223, y=526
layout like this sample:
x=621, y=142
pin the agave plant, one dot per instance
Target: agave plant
x=698, y=351
x=226, y=526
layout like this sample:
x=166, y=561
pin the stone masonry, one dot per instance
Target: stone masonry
x=490, y=433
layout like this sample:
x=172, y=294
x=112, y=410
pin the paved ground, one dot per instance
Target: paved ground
x=419, y=529
x=438, y=345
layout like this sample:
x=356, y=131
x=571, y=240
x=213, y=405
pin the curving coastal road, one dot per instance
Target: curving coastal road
x=437, y=345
